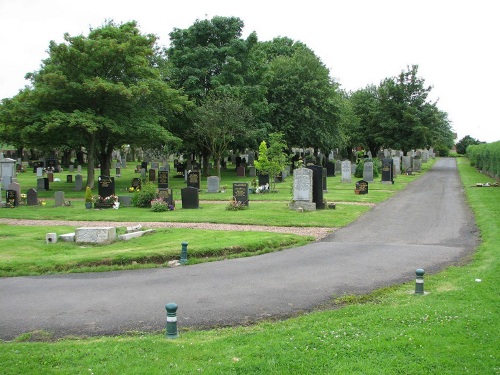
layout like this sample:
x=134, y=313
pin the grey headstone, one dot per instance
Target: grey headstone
x=368, y=171
x=59, y=198
x=32, y=197
x=213, y=184
x=78, y=182
x=40, y=184
x=252, y=171
x=346, y=171
x=302, y=184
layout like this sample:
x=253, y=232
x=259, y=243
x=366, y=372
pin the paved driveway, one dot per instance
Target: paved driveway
x=425, y=226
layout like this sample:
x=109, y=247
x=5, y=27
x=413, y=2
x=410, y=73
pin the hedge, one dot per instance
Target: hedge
x=485, y=157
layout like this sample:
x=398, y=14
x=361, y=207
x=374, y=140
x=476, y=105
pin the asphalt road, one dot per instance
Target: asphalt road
x=428, y=225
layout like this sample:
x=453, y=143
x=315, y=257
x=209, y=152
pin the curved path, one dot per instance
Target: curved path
x=427, y=225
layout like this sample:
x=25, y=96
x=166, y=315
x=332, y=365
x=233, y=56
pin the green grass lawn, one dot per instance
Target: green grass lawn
x=453, y=329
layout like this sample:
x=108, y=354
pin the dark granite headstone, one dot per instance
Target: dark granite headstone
x=11, y=197
x=240, y=171
x=152, y=175
x=167, y=196
x=263, y=179
x=105, y=186
x=387, y=169
x=193, y=179
x=190, y=197
x=46, y=183
x=362, y=187
x=330, y=169
x=325, y=186
x=240, y=192
x=69, y=178
x=180, y=170
x=144, y=165
x=162, y=179
x=32, y=197
x=317, y=186
x=136, y=183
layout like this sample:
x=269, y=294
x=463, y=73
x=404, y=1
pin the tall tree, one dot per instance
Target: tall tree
x=218, y=122
x=303, y=100
x=466, y=142
x=106, y=89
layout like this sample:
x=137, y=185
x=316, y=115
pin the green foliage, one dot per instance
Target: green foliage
x=485, y=157
x=144, y=197
x=235, y=205
x=466, y=142
x=88, y=195
x=273, y=159
x=377, y=164
x=159, y=205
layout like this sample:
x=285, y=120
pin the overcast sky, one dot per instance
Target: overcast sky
x=454, y=42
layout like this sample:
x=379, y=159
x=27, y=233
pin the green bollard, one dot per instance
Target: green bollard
x=171, y=320
x=419, y=281
x=184, y=253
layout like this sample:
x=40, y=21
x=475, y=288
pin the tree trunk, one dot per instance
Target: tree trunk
x=206, y=157
x=91, y=161
x=217, y=165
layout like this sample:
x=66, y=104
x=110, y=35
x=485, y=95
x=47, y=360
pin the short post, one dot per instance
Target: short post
x=171, y=320
x=184, y=253
x=419, y=281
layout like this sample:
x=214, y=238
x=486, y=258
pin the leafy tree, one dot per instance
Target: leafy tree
x=465, y=142
x=210, y=57
x=106, y=90
x=273, y=159
x=303, y=100
x=218, y=122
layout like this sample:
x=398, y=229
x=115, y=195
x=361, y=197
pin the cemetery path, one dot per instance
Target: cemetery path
x=427, y=225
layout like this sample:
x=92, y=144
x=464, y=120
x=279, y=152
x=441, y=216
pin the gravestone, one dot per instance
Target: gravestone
x=71, y=168
x=69, y=178
x=17, y=188
x=406, y=163
x=330, y=169
x=79, y=169
x=417, y=164
x=180, y=169
x=155, y=165
x=263, y=179
x=105, y=186
x=368, y=171
x=163, y=179
x=240, y=192
x=7, y=171
x=50, y=176
x=362, y=187
x=144, y=165
x=303, y=190
x=46, y=184
x=39, y=172
x=240, y=171
x=167, y=195
x=125, y=200
x=338, y=167
x=325, y=187
x=11, y=198
x=252, y=172
x=213, y=184
x=32, y=197
x=317, y=186
x=190, y=197
x=40, y=184
x=59, y=198
x=143, y=173
x=397, y=165
x=387, y=171
x=193, y=179
x=152, y=175
x=346, y=171
x=124, y=161
x=136, y=183
x=118, y=172
x=78, y=182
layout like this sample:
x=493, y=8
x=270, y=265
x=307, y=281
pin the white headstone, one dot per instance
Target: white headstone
x=213, y=184
x=346, y=171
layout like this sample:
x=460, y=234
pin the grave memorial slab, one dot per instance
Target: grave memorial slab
x=11, y=198
x=167, y=195
x=213, y=184
x=78, y=182
x=361, y=187
x=240, y=192
x=368, y=171
x=163, y=179
x=263, y=179
x=387, y=171
x=193, y=179
x=346, y=171
x=32, y=197
x=136, y=184
x=59, y=198
x=318, y=186
x=303, y=190
x=190, y=197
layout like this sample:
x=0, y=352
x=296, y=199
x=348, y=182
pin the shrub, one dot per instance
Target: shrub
x=159, y=205
x=144, y=197
x=234, y=205
x=361, y=165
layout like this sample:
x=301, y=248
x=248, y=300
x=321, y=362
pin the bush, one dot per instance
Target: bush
x=361, y=165
x=159, y=205
x=144, y=197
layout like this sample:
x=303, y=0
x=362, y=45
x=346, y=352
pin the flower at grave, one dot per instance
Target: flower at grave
x=159, y=205
x=111, y=199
